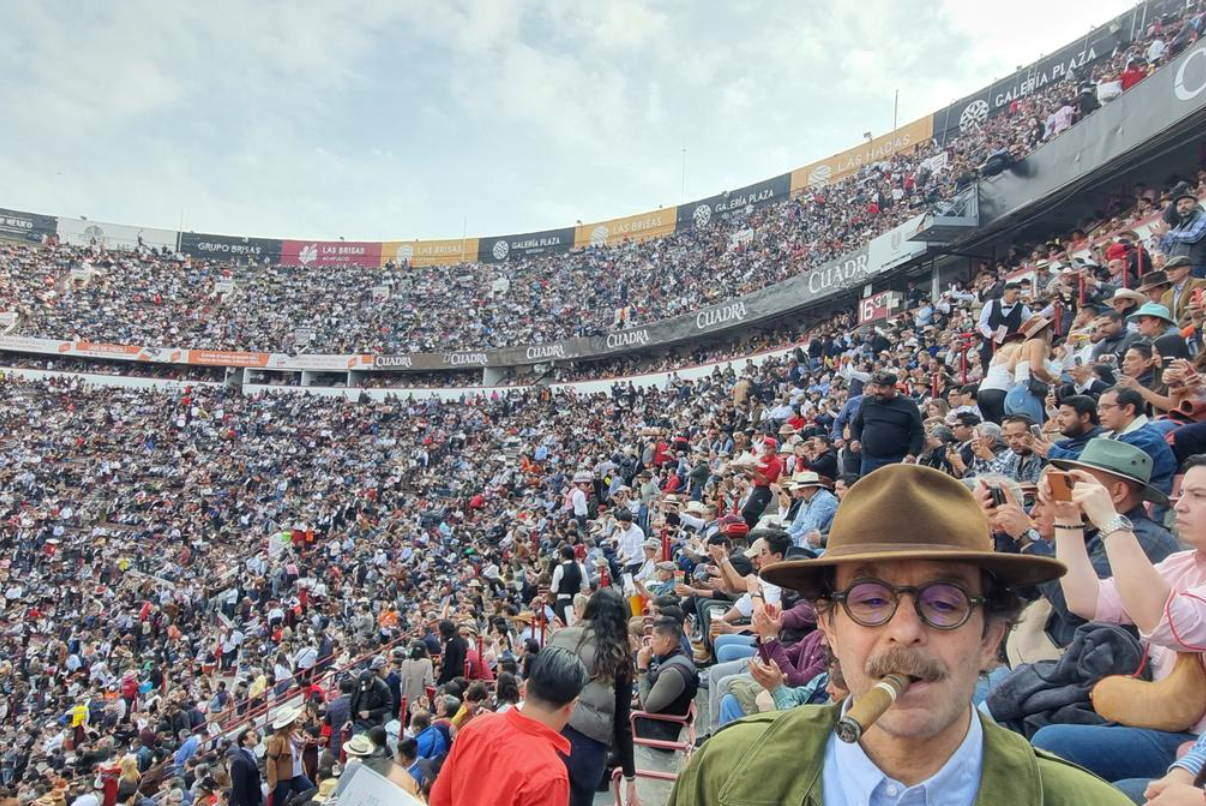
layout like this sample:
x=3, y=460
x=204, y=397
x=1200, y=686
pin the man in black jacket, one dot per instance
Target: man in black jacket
x=370, y=703
x=887, y=428
x=245, y=781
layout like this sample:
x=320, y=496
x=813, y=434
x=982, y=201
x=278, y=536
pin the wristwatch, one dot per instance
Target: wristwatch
x=1118, y=523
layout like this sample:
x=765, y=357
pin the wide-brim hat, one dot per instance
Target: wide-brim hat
x=1119, y=459
x=360, y=746
x=286, y=717
x=1128, y=293
x=911, y=512
x=1033, y=326
x=1153, y=279
x=696, y=508
x=806, y=478
x=525, y=617
x=1154, y=310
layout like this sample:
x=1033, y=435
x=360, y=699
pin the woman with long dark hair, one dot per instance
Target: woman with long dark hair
x=600, y=719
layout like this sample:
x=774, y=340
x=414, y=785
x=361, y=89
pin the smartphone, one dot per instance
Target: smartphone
x=1061, y=485
x=1036, y=431
x=1167, y=361
x=998, y=496
x=763, y=653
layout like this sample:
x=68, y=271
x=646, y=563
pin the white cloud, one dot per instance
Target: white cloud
x=382, y=119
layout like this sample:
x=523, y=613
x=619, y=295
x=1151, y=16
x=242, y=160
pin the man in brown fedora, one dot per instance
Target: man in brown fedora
x=909, y=585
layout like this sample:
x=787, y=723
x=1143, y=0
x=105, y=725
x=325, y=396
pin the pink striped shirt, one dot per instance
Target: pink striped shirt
x=1182, y=628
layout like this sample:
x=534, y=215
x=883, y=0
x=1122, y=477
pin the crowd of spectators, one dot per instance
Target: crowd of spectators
x=377, y=576
x=145, y=298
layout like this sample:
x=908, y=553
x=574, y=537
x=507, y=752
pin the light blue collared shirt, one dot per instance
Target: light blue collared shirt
x=850, y=778
x=814, y=514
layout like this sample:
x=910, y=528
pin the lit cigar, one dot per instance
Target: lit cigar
x=871, y=706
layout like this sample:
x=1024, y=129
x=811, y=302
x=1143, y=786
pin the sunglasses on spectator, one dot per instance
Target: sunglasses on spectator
x=941, y=605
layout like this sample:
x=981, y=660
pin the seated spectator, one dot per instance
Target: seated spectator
x=1121, y=413
x=1078, y=423
x=1125, y=471
x=1164, y=601
x=667, y=681
x=430, y=739
x=810, y=527
x=1019, y=462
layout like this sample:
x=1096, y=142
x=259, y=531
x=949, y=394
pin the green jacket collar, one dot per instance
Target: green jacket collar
x=784, y=766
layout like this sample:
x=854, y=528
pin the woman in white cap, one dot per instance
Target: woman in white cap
x=283, y=757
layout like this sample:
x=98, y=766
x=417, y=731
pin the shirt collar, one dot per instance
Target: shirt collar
x=866, y=783
x=518, y=721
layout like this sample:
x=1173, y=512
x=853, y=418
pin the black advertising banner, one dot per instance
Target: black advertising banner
x=229, y=247
x=500, y=248
x=26, y=226
x=701, y=213
x=1166, y=106
x=1074, y=58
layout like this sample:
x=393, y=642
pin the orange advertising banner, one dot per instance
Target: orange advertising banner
x=218, y=358
x=836, y=168
x=629, y=228
x=429, y=253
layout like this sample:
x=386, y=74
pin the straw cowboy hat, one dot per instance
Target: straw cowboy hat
x=806, y=478
x=911, y=512
x=285, y=717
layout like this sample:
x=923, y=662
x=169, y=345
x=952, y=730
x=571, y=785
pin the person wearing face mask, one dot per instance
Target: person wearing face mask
x=1188, y=236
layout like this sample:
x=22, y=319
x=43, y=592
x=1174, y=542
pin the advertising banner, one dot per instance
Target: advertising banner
x=26, y=226
x=1071, y=60
x=230, y=247
x=701, y=212
x=904, y=140
x=81, y=232
x=330, y=253
x=429, y=253
x=630, y=228
x=318, y=363
x=499, y=248
x=221, y=358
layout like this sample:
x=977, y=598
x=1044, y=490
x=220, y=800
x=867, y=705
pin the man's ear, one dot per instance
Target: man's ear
x=825, y=625
x=994, y=633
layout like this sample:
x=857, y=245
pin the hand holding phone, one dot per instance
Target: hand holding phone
x=1061, y=484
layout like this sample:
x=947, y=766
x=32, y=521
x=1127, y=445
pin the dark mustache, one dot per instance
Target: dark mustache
x=902, y=661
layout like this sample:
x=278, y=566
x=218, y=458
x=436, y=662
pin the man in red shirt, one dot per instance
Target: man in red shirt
x=512, y=759
x=764, y=473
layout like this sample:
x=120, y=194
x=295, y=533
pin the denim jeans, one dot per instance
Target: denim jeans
x=585, y=763
x=871, y=463
x=283, y=789
x=1114, y=753
x=730, y=710
x=719, y=676
x=733, y=647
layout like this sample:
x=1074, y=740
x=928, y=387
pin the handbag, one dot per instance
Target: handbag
x=1039, y=389
x=1173, y=704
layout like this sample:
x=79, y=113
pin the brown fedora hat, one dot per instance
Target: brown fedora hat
x=911, y=512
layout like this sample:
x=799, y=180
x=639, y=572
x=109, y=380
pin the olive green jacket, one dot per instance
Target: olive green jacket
x=776, y=758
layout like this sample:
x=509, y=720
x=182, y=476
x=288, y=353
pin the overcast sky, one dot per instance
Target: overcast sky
x=399, y=119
